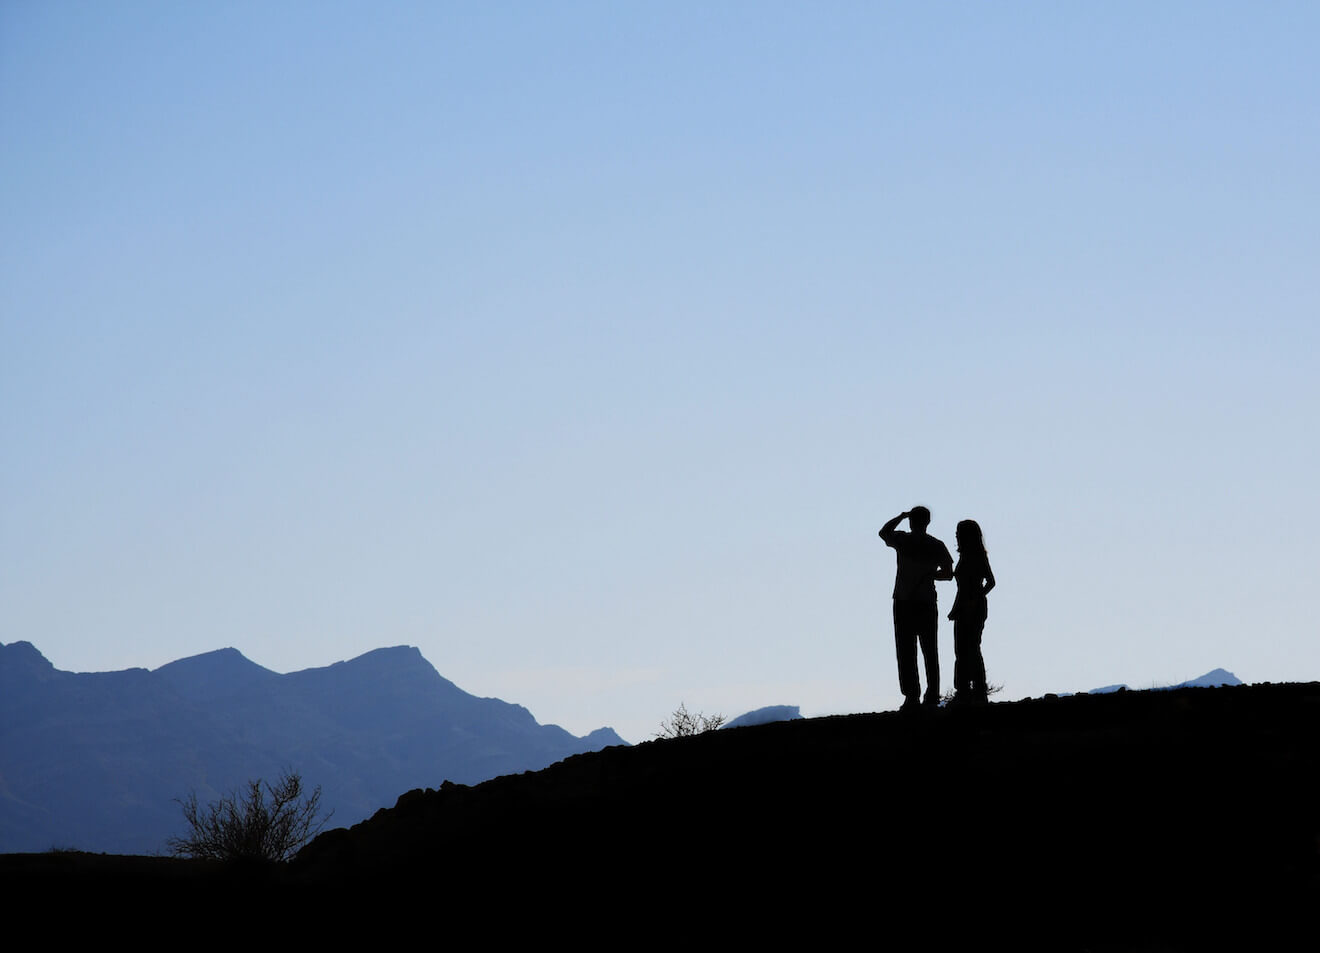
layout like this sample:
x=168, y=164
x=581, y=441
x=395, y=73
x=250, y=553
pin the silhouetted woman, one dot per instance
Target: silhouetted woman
x=968, y=613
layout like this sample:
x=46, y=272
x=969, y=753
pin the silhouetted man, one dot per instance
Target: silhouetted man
x=921, y=560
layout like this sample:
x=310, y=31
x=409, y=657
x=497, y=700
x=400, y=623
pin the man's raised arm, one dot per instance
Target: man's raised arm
x=887, y=531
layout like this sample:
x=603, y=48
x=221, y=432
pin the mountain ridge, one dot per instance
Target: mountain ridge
x=97, y=760
x=1215, y=678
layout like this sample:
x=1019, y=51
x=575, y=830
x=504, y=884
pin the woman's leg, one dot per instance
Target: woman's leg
x=976, y=663
x=962, y=677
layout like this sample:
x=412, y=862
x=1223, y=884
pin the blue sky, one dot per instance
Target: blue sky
x=587, y=346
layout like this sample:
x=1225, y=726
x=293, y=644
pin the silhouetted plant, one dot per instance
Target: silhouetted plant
x=265, y=823
x=683, y=723
x=990, y=689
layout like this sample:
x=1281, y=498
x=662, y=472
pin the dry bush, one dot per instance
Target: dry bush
x=682, y=723
x=267, y=822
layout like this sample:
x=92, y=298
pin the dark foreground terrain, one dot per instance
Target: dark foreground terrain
x=1138, y=820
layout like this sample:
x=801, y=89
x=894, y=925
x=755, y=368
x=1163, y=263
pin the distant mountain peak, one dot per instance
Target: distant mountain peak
x=1212, y=679
x=213, y=674
x=23, y=660
x=603, y=738
x=1215, y=678
x=390, y=658
x=24, y=652
x=228, y=656
x=385, y=651
x=402, y=666
x=763, y=716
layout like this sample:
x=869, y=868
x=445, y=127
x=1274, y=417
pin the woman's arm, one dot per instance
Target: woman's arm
x=989, y=579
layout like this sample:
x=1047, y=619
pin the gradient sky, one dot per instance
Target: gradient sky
x=586, y=346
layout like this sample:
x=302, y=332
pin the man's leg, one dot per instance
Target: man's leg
x=928, y=633
x=905, y=645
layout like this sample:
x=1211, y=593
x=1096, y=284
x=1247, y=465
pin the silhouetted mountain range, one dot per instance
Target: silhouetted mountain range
x=95, y=761
x=1216, y=678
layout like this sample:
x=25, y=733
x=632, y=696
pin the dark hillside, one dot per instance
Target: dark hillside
x=1138, y=813
x=1131, y=820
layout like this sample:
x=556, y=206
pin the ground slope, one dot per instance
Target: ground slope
x=1138, y=820
x=1156, y=813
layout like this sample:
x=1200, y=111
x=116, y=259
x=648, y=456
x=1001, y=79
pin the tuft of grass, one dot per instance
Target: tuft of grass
x=990, y=689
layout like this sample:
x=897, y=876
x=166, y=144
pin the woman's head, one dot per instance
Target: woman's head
x=969, y=537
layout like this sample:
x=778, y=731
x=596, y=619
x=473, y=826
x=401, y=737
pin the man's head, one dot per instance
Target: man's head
x=918, y=519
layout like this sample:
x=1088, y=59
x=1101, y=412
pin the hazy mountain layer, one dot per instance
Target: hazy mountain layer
x=96, y=760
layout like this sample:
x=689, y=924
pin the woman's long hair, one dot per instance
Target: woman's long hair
x=971, y=544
